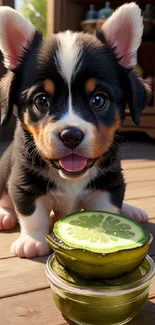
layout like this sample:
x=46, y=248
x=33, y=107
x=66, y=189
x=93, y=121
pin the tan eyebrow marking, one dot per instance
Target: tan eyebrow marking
x=91, y=84
x=49, y=86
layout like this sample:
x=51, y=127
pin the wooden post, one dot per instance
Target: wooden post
x=50, y=17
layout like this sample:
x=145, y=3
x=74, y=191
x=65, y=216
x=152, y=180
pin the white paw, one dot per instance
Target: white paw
x=134, y=213
x=29, y=247
x=8, y=219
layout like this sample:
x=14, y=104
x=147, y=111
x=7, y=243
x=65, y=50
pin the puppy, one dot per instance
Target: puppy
x=69, y=93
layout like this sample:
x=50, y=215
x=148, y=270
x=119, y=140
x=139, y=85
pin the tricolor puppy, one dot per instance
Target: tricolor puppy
x=69, y=93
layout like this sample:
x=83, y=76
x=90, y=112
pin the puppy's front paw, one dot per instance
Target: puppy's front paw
x=29, y=247
x=134, y=213
x=8, y=219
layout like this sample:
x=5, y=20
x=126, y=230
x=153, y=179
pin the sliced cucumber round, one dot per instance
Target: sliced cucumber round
x=100, y=232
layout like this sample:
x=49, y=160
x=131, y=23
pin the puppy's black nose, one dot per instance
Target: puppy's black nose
x=71, y=137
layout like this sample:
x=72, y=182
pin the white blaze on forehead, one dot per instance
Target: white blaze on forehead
x=68, y=54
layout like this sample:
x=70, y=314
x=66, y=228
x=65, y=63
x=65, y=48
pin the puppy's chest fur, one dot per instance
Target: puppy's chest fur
x=68, y=195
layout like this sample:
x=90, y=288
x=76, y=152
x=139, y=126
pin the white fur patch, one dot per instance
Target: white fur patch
x=134, y=213
x=70, y=108
x=38, y=220
x=31, y=242
x=75, y=120
x=68, y=54
x=15, y=32
x=123, y=32
x=99, y=200
x=70, y=188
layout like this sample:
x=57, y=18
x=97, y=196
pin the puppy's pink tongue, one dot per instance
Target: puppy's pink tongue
x=73, y=163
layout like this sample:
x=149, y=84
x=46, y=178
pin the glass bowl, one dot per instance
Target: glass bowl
x=116, y=303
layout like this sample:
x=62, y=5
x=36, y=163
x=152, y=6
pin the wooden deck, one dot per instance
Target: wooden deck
x=24, y=291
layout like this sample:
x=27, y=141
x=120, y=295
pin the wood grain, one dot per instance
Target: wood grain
x=140, y=190
x=137, y=164
x=35, y=308
x=38, y=308
x=6, y=239
x=144, y=174
x=21, y=275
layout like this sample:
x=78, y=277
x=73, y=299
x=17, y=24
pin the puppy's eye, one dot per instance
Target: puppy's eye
x=41, y=102
x=98, y=101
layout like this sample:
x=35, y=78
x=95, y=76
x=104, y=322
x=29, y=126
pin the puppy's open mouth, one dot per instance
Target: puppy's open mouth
x=73, y=164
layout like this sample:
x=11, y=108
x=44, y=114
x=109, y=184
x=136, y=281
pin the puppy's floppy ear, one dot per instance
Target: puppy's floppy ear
x=16, y=33
x=122, y=32
x=138, y=94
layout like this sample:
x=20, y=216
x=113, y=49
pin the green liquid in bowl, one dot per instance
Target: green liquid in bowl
x=88, y=302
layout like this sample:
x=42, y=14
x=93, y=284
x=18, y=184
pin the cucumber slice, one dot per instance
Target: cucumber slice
x=95, y=265
x=100, y=232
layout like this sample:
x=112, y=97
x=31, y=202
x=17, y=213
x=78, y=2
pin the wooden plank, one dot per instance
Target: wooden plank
x=6, y=239
x=139, y=190
x=38, y=308
x=148, y=204
x=144, y=174
x=21, y=275
x=137, y=164
x=35, y=308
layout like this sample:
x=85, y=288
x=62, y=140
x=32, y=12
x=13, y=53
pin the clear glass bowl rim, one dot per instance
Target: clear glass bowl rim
x=85, y=291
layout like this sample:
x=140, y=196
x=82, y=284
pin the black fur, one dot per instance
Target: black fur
x=26, y=180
